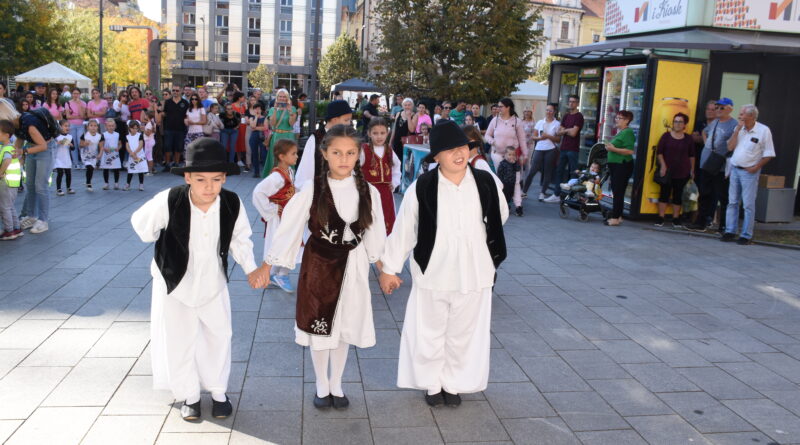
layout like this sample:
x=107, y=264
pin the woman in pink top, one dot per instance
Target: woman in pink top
x=422, y=117
x=506, y=130
x=75, y=112
x=96, y=108
x=52, y=105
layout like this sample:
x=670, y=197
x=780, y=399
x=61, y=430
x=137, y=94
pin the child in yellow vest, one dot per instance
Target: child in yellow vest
x=10, y=177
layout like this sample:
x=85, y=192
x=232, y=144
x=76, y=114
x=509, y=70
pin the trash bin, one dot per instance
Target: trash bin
x=775, y=205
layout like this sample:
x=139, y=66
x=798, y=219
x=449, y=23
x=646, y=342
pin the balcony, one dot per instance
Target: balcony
x=284, y=60
x=254, y=33
x=189, y=3
x=253, y=58
x=222, y=57
x=222, y=31
x=254, y=7
x=189, y=29
x=287, y=35
x=223, y=4
x=286, y=10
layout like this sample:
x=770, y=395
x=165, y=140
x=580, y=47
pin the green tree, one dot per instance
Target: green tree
x=341, y=61
x=261, y=77
x=29, y=33
x=476, y=50
x=543, y=72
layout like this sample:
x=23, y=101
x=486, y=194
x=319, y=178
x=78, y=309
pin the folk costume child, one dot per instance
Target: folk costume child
x=270, y=198
x=137, y=159
x=110, y=160
x=194, y=227
x=334, y=309
x=338, y=112
x=452, y=219
x=381, y=167
x=62, y=162
x=91, y=146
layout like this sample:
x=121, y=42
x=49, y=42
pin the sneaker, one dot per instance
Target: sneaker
x=245, y=170
x=696, y=228
x=126, y=188
x=553, y=199
x=70, y=191
x=105, y=187
x=17, y=233
x=149, y=174
x=659, y=222
x=116, y=186
x=39, y=227
x=588, y=194
x=167, y=168
x=744, y=241
x=564, y=186
x=141, y=187
x=524, y=195
x=7, y=236
x=676, y=224
x=27, y=222
x=240, y=164
x=89, y=188
x=60, y=192
x=282, y=281
x=519, y=211
x=727, y=237
x=542, y=197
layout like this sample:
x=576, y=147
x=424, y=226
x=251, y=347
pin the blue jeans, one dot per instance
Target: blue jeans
x=76, y=131
x=567, y=159
x=743, y=189
x=38, y=167
x=228, y=136
x=258, y=153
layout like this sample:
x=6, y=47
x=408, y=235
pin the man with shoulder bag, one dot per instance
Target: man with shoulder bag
x=712, y=182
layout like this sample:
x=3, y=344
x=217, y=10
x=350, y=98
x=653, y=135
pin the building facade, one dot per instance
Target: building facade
x=560, y=23
x=235, y=36
x=592, y=21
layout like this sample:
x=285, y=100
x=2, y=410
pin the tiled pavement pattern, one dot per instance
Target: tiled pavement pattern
x=600, y=336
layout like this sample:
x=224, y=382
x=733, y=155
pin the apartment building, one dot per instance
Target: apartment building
x=235, y=36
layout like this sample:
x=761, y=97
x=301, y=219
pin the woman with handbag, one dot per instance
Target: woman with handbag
x=620, y=164
x=676, y=167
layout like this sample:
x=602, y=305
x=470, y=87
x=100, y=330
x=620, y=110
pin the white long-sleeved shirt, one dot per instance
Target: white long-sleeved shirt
x=204, y=278
x=305, y=171
x=460, y=260
x=266, y=188
x=395, y=163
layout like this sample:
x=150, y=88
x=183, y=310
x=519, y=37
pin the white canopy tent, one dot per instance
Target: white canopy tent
x=55, y=73
x=530, y=95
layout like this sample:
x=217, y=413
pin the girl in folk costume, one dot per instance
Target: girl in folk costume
x=194, y=227
x=271, y=196
x=137, y=159
x=62, y=162
x=476, y=157
x=110, y=160
x=381, y=167
x=452, y=219
x=334, y=308
x=149, y=132
x=91, y=146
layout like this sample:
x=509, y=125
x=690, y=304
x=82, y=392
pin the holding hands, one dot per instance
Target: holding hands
x=259, y=278
x=389, y=282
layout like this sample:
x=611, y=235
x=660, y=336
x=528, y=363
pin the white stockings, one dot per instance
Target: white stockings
x=337, y=359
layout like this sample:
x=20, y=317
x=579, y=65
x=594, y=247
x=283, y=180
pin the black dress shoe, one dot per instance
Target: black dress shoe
x=323, y=402
x=222, y=410
x=452, y=400
x=435, y=399
x=728, y=237
x=340, y=402
x=742, y=241
x=190, y=412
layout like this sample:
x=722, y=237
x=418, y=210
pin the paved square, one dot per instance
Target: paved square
x=601, y=335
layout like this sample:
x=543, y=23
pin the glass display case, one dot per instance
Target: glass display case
x=589, y=100
x=612, y=101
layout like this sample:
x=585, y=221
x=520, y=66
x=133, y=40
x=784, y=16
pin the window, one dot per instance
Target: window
x=188, y=52
x=286, y=29
x=221, y=50
x=188, y=18
x=254, y=27
x=285, y=55
x=564, y=30
x=314, y=4
x=189, y=3
x=595, y=37
x=223, y=4
x=539, y=23
x=253, y=52
x=254, y=5
x=286, y=6
x=222, y=21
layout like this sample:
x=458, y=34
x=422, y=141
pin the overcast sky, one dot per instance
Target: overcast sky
x=151, y=9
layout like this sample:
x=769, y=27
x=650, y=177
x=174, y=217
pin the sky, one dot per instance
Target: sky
x=151, y=9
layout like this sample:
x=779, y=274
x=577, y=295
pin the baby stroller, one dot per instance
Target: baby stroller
x=577, y=197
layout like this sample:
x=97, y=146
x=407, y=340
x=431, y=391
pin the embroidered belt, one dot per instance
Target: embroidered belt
x=282, y=131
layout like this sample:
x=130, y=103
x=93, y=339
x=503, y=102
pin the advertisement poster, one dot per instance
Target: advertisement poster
x=413, y=166
x=676, y=91
x=764, y=15
x=636, y=16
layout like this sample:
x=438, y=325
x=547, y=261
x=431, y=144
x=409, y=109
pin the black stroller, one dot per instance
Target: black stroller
x=577, y=197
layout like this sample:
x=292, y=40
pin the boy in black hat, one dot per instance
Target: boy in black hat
x=338, y=112
x=452, y=219
x=194, y=227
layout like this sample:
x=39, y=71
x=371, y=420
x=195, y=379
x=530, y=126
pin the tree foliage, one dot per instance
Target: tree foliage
x=28, y=31
x=476, y=50
x=261, y=77
x=340, y=62
x=543, y=72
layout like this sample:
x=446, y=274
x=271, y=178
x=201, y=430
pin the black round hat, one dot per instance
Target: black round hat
x=337, y=108
x=206, y=155
x=446, y=135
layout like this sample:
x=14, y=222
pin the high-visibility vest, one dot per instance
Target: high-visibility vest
x=13, y=172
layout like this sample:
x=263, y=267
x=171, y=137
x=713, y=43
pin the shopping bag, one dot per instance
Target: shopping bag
x=690, y=196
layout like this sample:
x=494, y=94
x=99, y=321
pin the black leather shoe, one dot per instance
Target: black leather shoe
x=728, y=237
x=452, y=400
x=190, y=412
x=340, y=402
x=744, y=241
x=323, y=402
x=435, y=399
x=222, y=410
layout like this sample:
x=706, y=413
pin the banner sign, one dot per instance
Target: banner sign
x=764, y=15
x=637, y=16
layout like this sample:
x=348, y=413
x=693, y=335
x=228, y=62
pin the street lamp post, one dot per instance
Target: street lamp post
x=100, y=57
x=312, y=88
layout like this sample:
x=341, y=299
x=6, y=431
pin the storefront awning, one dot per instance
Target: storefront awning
x=710, y=39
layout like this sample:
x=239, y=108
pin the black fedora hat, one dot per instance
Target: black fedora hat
x=206, y=155
x=446, y=135
x=337, y=108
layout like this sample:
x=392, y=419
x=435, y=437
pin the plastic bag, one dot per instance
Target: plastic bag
x=690, y=196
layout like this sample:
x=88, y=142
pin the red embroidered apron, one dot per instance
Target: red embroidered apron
x=378, y=172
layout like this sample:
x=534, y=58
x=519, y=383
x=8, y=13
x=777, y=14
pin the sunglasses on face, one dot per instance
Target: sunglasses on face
x=176, y=91
x=679, y=121
x=447, y=108
x=719, y=107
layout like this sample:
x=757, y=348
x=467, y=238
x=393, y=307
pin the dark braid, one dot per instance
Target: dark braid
x=322, y=205
x=364, y=197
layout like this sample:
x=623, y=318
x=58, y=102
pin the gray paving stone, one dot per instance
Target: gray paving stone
x=628, y=397
x=667, y=430
x=593, y=364
x=102, y=309
x=124, y=430
x=550, y=430
x=714, y=351
x=136, y=396
x=585, y=411
x=787, y=399
x=472, y=420
x=327, y=431
x=9, y=358
x=705, y=413
x=524, y=345
x=55, y=426
x=122, y=339
x=193, y=439
x=718, y=383
x=502, y=368
x=55, y=308
x=658, y=377
x=741, y=342
x=757, y=377
x=781, y=364
x=23, y=389
x=738, y=439
x=244, y=329
x=27, y=334
x=517, y=400
x=615, y=437
x=662, y=346
x=272, y=394
x=552, y=374
x=625, y=351
x=564, y=339
x=139, y=308
x=406, y=436
x=597, y=329
x=7, y=428
x=259, y=427
x=398, y=409
x=379, y=374
x=277, y=304
x=144, y=365
x=275, y=330
x=387, y=345
x=769, y=418
x=91, y=383
x=276, y=360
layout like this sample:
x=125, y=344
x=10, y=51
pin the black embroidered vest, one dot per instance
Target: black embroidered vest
x=427, y=196
x=172, y=246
